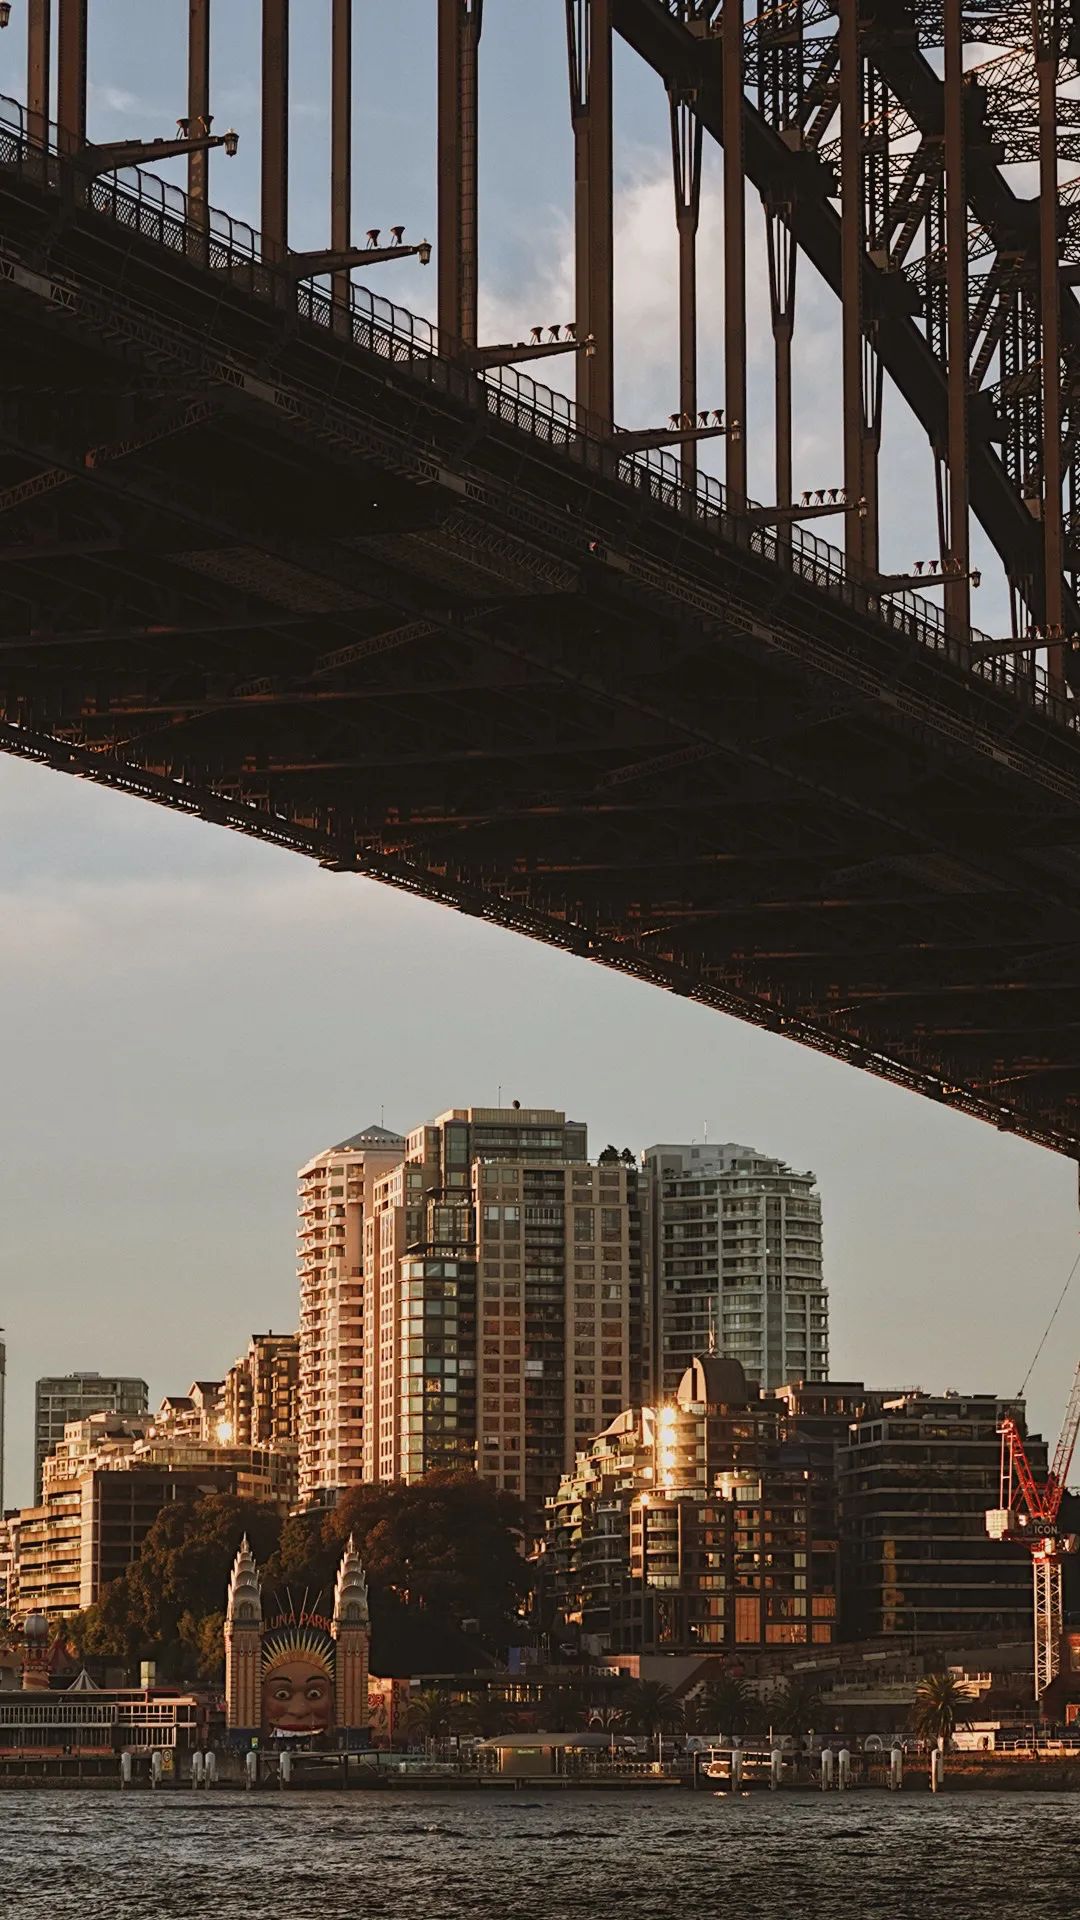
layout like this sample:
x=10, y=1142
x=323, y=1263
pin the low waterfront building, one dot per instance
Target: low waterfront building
x=690, y=1527
x=86, y=1720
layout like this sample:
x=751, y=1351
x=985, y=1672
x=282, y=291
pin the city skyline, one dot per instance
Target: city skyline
x=852, y=1357
x=193, y=1015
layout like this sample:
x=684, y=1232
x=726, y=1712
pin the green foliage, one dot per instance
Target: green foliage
x=729, y=1706
x=431, y=1714
x=438, y=1553
x=446, y=1545
x=564, y=1709
x=795, y=1707
x=651, y=1707
x=940, y=1700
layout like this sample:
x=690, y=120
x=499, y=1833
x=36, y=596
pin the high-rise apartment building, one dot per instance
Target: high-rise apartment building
x=60, y=1398
x=3, y=1385
x=508, y=1304
x=335, y=1190
x=916, y=1478
x=738, y=1262
x=260, y=1393
x=693, y=1526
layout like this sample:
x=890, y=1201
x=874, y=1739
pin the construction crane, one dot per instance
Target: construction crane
x=1028, y=1513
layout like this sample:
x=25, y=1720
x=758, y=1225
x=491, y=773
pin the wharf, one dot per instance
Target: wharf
x=965, y=1772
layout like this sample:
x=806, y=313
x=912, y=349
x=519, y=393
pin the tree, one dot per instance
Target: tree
x=729, y=1706
x=206, y=1640
x=564, y=1709
x=795, y=1707
x=306, y=1559
x=180, y=1575
x=431, y=1715
x=446, y=1547
x=940, y=1699
x=442, y=1560
x=651, y=1708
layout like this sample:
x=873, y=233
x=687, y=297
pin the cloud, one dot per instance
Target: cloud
x=646, y=356
x=116, y=100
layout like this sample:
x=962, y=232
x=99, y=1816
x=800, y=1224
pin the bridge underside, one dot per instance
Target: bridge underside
x=335, y=599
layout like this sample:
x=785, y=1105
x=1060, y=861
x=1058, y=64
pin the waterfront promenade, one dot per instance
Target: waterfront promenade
x=1051, y=1768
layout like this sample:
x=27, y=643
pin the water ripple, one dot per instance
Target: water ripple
x=355, y=1856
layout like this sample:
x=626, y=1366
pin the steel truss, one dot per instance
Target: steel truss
x=245, y=508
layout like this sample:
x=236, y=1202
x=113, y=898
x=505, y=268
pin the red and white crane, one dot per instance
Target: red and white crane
x=1029, y=1512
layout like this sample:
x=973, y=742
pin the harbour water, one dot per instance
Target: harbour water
x=100, y=1856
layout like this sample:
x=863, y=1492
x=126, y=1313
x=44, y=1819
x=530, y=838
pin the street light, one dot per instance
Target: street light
x=5, y=12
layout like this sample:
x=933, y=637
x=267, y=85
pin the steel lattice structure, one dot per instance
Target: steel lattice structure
x=282, y=555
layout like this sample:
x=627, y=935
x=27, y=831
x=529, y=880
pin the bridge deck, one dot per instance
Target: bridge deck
x=296, y=570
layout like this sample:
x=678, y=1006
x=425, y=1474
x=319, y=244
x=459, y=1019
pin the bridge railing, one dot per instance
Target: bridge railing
x=142, y=203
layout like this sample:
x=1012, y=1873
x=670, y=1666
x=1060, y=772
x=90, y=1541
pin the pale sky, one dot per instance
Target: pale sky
x=189, y=1016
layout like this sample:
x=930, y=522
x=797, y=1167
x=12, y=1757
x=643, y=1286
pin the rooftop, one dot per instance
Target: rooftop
x=369, y=1137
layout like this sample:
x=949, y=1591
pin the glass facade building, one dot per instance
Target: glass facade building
x=738, y=1262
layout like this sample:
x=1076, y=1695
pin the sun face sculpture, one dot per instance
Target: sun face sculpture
x=297, y=1681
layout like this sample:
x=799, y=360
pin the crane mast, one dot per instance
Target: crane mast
x=1028, y=1512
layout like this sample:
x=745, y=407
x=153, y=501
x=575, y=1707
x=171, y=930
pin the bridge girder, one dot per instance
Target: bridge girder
x=287, y=566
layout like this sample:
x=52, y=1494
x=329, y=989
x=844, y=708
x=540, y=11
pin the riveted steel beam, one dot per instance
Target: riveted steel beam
x=734, y=255
x=460, y=23
x=341, y=63
x=71, y=74
x=589, y=33
x=199, y=107
x=38, y=67
x=275, y=128
x=957, y=544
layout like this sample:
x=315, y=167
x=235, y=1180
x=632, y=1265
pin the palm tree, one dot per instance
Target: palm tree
x=564, y=1709
x=431, y=1714
x=489, y=1716
x=939, y=1702
x=728, y=1706
x=651, y=1708
x=795, y=1707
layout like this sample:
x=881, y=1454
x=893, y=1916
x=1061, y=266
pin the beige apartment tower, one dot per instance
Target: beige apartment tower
x=507, y=1311
x=335, y=1192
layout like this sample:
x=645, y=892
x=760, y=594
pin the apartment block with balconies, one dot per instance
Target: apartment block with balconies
x=691, y=1526
x=335, y=1191
x=738, y=1257
x=508, y=1304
